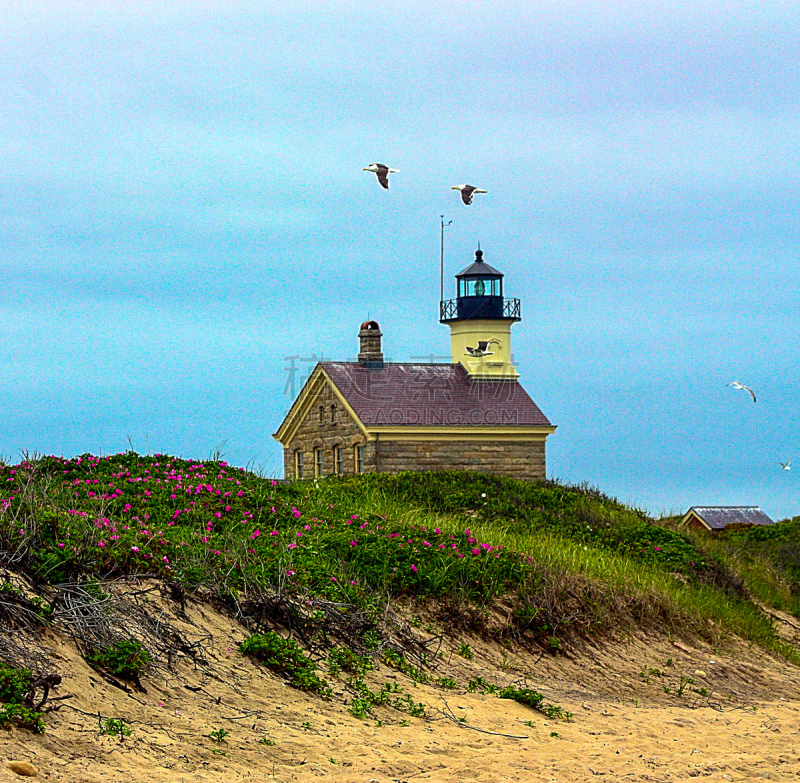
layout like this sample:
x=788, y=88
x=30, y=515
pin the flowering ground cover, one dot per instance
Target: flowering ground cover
x=465, y=541
x=190, y=521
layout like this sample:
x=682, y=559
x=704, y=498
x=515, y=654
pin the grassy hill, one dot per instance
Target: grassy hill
x=349, y=566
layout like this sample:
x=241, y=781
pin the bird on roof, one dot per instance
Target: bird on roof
x=382, y=172
x=482, y=349
x=467, y=192
x=786, y=465
x=737, y=385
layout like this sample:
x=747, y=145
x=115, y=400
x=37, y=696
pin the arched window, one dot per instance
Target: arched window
x=298, y=464
x=333, y=413
x=321, y=414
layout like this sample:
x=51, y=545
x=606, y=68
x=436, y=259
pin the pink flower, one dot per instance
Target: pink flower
x=256, y=534
x=133, y=548
x=296, y=513
x=414, y=569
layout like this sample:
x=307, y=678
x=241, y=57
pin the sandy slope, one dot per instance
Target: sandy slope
x=624, y=728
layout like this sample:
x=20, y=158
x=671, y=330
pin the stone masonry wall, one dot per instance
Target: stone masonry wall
x=327, y=432
x=516, y=459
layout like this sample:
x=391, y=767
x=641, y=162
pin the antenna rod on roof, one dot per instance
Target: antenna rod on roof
x=441, y=259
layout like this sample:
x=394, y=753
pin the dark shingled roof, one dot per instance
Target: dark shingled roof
x=432, y=394
x=718, y=517
x=479, y=267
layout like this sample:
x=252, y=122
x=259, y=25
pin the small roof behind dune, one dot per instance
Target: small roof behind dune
x=720, y=517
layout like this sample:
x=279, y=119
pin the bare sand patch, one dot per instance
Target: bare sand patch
x=738, y=720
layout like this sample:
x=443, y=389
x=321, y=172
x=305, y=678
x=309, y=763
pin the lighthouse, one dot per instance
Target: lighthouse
x=480, y=321
x=378, y=416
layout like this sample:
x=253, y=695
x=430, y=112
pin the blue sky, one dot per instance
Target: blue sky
x=182, y=206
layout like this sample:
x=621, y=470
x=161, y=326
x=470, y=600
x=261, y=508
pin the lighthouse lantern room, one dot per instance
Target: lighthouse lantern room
x=480, y=322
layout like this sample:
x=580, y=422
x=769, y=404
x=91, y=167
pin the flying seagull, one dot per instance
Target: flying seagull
x=786, y=465
x=482, y=349
x=737, y=385
x=467, y=192
x=382, y=173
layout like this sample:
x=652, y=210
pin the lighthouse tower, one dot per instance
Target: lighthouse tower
x=480, y=322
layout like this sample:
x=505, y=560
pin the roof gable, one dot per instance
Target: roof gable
x=318, y=381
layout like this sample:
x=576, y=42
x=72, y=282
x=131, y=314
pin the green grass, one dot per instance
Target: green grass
x=768, y=560
x=569, y=562
x=126, y=659
x=14, y=686
x=285, y=657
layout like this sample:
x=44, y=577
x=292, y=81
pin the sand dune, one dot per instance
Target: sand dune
x=738, y=720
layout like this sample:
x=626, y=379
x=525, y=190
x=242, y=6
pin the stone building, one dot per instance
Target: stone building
x=470, y=414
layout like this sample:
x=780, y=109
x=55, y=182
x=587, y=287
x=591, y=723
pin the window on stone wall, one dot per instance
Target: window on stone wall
x=333, y=414
x=321, y=414
x=359, y=458
x=318, y=462
x=338, y=455
x=298, y=464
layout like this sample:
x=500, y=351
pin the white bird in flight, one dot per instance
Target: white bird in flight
x=467, y=192
x=482, y=349
x=737, y=385
x=786, y=465
x=382, y=172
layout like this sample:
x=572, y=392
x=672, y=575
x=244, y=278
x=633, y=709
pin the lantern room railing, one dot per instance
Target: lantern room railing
x=512, y=309
x=474, y=307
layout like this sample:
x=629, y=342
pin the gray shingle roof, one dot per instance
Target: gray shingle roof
x=432, y=394
x=479, y=267
x=718, y=517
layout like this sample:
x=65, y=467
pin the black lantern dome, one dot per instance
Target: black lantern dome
x=479, y=295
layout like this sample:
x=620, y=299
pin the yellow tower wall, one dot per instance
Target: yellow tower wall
x=467, y=333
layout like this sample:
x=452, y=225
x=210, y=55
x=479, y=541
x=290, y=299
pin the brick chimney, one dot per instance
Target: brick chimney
x=369, y=336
